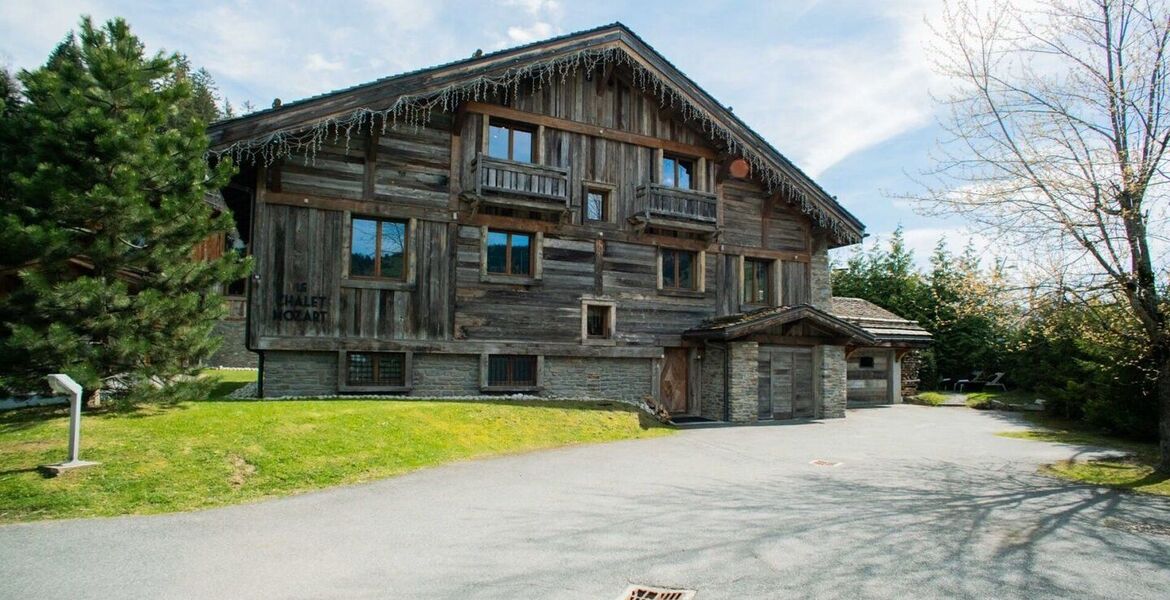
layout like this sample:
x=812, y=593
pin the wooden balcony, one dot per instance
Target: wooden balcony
x=520, y=185
x=667, y=207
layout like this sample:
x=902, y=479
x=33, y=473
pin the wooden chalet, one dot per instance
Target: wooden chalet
x=572, y=218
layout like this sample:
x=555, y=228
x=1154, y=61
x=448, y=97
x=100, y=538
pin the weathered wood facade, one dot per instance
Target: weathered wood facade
x=564, y=237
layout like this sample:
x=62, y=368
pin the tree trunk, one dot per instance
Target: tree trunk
x=1162, y=394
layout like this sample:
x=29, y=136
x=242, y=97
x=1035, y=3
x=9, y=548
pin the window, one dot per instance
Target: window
x=756, y=280
x=678, y=172
x=511, y=141
x=509, y=253
x=599, y=321
x=596, y=205
x=377, y=248
x=511, y=370
x=387, y=370
x=866, y=362
x=678, y=269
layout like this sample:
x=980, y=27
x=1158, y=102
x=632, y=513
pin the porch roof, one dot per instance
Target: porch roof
x=887, y=328
x=743, y=324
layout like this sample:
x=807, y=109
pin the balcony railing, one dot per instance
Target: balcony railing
x=674, y=203
x=542, y=185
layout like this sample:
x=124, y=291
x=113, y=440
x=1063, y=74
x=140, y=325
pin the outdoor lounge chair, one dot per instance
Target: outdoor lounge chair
x=976, y=378
x=996, y=381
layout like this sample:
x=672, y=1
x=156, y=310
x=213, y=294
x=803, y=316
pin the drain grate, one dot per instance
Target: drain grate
x=642, y=592
x=820, y=462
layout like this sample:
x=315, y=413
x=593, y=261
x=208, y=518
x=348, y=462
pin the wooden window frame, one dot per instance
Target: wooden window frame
x=610, y=322
x=694, y=162
x=484, y=372
x=607, y=191
x=535, y=262
x=512, y=126
x=344, y=385
x=377, y=281
x=769, y=265
x=699, y=276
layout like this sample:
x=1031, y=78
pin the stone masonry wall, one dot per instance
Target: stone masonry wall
x=745, y=381
x=628, y=379
x=300, y=374
x=445, y=374
x=832, y=381
x=820, y=278
x=711, y=388
x=232, y=352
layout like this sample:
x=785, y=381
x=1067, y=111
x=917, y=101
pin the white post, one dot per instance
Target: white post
x=64, y=384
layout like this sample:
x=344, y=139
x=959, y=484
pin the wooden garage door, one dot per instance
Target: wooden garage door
x=786, y=383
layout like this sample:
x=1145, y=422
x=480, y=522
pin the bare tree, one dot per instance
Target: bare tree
x=1058, y=122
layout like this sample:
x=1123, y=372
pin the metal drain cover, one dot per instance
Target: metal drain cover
x=820, y=462
x=645, y=592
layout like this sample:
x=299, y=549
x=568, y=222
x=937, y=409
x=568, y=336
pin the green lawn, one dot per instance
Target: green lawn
x=929, y=399
x=1011, y=398
x=1134, y=472
x=217, y=452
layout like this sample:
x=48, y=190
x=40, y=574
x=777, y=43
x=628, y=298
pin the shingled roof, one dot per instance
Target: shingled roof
x=738, y=325
x=268, y=134
x=883, y=325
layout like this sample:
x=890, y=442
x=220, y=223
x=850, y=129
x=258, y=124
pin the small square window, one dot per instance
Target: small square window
x=598, y=322
x=385, y=369
x=678, y=172
x=596, y=205
x=866, y=362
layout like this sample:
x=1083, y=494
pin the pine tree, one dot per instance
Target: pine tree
x=102, y=206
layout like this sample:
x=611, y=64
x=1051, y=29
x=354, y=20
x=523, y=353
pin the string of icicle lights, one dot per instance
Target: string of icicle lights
x=415, y=111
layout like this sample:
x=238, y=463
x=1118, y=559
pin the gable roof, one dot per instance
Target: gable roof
x=411, y=97
x=882, y=324
x=738, y=325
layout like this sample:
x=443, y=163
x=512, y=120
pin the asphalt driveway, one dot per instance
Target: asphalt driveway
x=926, y=502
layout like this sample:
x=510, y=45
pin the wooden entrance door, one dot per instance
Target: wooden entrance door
x=786, y=383
x=673, y=388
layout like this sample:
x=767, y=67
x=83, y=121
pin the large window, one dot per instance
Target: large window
x=756, y=280
x=387, y=370
x=678, y=172
x=678, y=269
x=377, y=248
x=511, y=141
x=511, y=370
x=509, y=253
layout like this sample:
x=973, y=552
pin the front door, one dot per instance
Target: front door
x=674, y=380
x=786, y=383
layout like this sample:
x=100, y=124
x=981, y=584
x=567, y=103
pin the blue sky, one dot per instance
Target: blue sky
x=841, y=87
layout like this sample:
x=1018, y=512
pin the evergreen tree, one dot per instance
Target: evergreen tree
x=102, y=206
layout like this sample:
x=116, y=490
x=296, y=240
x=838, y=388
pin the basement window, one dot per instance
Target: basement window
x=511, y=371
x=375, y=371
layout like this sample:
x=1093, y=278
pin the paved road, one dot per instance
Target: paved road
x=926, y=503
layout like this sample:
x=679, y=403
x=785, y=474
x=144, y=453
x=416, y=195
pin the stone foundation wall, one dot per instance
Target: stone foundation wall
x=445, y=375
x=711, y=386
x=628, y=379
x=232, y=352
x=299, y=374
x=832, y=381
x=745, y=382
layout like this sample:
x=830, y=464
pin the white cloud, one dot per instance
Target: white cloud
x=535, y=7
x=536, y=31
x=316, y=62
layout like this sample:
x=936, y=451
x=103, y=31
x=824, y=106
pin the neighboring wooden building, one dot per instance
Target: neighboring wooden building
x=573, y=217
x=877, y=373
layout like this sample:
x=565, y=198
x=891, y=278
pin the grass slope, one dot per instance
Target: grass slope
x=213, y=453
x=1134, y=472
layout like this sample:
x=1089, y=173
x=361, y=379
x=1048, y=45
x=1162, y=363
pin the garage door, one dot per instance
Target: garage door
x=786, y=383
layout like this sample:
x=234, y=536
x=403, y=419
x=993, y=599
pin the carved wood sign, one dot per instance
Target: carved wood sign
x=300, y=306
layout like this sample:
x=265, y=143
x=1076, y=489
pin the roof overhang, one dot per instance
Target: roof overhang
x=411, y=97
x=741, y=325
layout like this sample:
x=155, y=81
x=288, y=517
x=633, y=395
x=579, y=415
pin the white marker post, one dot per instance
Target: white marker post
x=64, y=384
